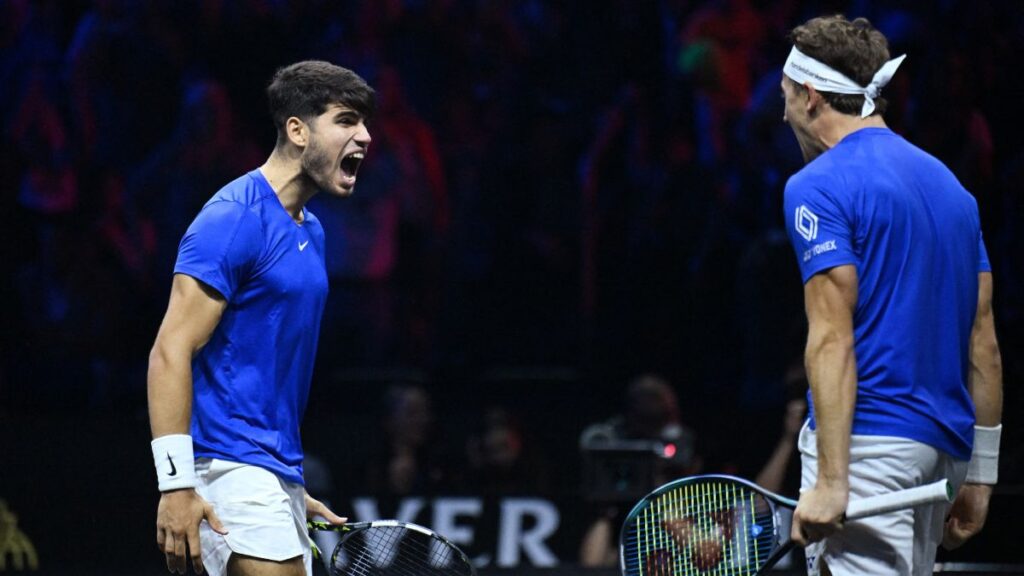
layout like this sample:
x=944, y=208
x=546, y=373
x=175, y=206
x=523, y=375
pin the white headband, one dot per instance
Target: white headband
x=802, y=68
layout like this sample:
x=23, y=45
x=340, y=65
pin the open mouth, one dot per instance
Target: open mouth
x=350, y=163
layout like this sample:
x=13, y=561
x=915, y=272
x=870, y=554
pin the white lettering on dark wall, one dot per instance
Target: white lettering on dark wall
x=446, y=513
x=512, y=538
x=461, y=518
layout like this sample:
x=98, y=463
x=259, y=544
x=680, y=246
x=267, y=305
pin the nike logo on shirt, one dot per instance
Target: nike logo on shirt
x=302, y=245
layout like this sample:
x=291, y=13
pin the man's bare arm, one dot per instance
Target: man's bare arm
x=830, y=299
x=985, y=379
x=192, y=315
x=985, y=382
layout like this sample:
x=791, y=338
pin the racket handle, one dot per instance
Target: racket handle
x=941, y=491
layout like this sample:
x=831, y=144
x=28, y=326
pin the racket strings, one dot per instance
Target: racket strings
x=719, y=528
x=377, y=551
x=396, y=551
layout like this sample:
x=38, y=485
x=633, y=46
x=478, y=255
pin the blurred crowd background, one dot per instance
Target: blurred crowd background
x=560, y=198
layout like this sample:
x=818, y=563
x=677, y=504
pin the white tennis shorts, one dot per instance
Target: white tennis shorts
x=902, y=542
x=264, y=515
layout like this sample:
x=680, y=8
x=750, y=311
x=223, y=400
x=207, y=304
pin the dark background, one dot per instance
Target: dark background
x=560, y=196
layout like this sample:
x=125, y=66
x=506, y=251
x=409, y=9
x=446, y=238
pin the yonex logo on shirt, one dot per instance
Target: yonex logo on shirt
x=826, y=246
x=806, y=223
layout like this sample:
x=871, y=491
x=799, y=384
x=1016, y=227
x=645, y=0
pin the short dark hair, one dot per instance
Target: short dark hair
x=305, y=90
x=855, y=49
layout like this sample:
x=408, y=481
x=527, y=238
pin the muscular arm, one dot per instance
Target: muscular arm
x=985, y=378
x=829, y=299
x=985, y=381
x=192, y=315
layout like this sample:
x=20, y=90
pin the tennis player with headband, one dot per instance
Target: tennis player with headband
x=902, y=359
x=230, y=371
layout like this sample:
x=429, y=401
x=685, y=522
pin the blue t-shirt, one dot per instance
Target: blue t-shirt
x=251, y=380
x=896, y=213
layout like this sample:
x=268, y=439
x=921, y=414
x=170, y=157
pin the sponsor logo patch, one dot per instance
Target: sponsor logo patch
x=806, y=223
x=826, y=246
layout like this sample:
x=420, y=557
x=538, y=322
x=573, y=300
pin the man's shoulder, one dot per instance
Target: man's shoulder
x=245, y=191
x=823, y=175
x=237, y=207
x=243, y=198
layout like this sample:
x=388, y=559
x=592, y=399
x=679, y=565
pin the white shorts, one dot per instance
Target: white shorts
x=902, y=542
x=264, y=515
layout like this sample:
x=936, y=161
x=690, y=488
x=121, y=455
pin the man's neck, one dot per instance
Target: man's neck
x=283, y=171
x=834, y=126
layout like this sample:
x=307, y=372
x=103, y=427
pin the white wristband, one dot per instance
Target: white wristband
x=984, y=465
x=175, y=465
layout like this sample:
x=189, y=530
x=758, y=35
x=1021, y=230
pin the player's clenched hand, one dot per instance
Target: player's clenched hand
x=177, y=527
x=967, y=517
x=819, y=513
x=316, y=508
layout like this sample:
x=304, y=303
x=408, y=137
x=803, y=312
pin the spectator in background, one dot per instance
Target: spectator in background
x=46, y=270
x=409, y=459
x=118, y=282
x=28, y=42
x=56, y=317
x=500, y=458
x=955, y=129
x=626, y=224
x=781, y=473
x=652, y=413
x=49, y=183
x=722, y=38
x=384, y=264
x=205, y=150
x=122, y=66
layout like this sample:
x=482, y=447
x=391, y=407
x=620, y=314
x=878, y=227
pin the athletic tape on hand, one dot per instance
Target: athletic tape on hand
x=175, y=464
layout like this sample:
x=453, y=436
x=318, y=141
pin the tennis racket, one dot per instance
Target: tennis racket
x=727, y=526
x=393, y=548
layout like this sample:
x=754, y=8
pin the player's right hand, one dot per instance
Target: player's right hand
x=177, y=528
x=819, y=513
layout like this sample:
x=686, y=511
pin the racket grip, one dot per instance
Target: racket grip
x=941, y=491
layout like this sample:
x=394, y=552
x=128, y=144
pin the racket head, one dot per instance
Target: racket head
x=395, y=548
x=712, y=524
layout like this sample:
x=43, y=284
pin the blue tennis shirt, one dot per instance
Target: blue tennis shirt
x=900, y=216
x=251, y=381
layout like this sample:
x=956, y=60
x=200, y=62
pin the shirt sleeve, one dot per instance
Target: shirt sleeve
x=983, y=264
x=820, y=228
x=221, y=246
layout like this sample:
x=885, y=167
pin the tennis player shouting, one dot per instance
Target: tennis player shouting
x=901, y=355
x=230, y=371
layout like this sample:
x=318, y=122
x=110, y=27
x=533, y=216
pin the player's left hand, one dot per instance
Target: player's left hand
x=316, y=508
x=819, y=513
x=967, y=517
